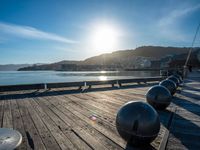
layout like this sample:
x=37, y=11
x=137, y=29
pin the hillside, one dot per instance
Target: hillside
x=12, y=67
x=152, y=52
x=123, y=59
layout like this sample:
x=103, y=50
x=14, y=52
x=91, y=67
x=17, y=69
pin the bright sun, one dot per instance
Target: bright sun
x=104, y=38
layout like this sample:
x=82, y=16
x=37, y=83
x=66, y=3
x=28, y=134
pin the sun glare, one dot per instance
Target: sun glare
x=103, y=78
x=104, y=38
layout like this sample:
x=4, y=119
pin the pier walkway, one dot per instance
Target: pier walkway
x=69, y=119
x=185, y=126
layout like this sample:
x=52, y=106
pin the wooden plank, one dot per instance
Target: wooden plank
x=45, y=134
x=32, y=134
x=81, y=123
x=95, y=107
x=92, y=109
x=100, y=95
x=89, y=114
x=103, y=128
x=100, y=102
x=104, y=99
x=89, y=139
x=65, y=127
x=79, y=140
x=1, y=112
x=59, y=136
x=124, y=98
x=7, y=116
x=137, y=91
x=18, y=125
x=168, y=127
x=130, y=97
x=163, y=143
x=92, y=104
x=98, y=115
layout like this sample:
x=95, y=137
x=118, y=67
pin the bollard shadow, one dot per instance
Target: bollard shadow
x=129, y=146
x=184, y=128
x=183, y=133
x=190, y=95
x=192, y=88
x=187, y=105
x=165, y=117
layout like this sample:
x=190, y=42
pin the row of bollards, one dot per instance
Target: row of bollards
x=138, y=122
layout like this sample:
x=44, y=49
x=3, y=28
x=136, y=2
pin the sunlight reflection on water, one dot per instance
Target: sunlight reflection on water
x=31, y=77
x=103, y=78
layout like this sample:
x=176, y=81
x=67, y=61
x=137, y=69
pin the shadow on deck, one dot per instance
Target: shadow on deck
x=43, y=93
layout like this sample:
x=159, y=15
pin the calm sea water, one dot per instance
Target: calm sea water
x=29, y=77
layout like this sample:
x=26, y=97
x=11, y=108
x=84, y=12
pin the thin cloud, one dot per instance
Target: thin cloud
x=169, y=27
x=177, y=14
x=30, y=32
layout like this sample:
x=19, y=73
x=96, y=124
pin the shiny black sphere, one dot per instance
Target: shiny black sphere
x=178, y=77
x=175, y=79
x=138, y=123
x=159, y=97
x=170, y=85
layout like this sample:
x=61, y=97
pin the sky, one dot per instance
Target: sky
x=46, y=31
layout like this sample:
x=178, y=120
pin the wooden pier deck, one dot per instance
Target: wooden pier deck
x=69, y=119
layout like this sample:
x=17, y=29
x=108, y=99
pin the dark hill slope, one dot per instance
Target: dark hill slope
x=153, y=52
x=120, y=59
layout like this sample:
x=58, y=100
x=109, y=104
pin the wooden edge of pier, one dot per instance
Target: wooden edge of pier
x=39, y=86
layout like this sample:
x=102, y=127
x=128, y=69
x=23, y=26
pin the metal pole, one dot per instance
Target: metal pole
x=190, y=51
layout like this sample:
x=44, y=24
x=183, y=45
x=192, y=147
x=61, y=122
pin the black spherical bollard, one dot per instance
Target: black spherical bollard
x=138, y=123
x=173, y=78
x=159, y=97
x=170, y=85
x=179, y=78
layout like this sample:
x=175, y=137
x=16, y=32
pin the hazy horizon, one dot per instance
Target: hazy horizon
x=46, y=32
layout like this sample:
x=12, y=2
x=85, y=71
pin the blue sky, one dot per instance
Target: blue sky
x=47, y=31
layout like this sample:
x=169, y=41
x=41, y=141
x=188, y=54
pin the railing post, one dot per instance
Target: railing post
x=84, y=87
x=45, y=86
x=113, y=85
x=118, y=84
x=184, y=71
x=80, y=87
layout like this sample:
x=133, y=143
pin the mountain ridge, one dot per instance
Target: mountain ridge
x=121, y=59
